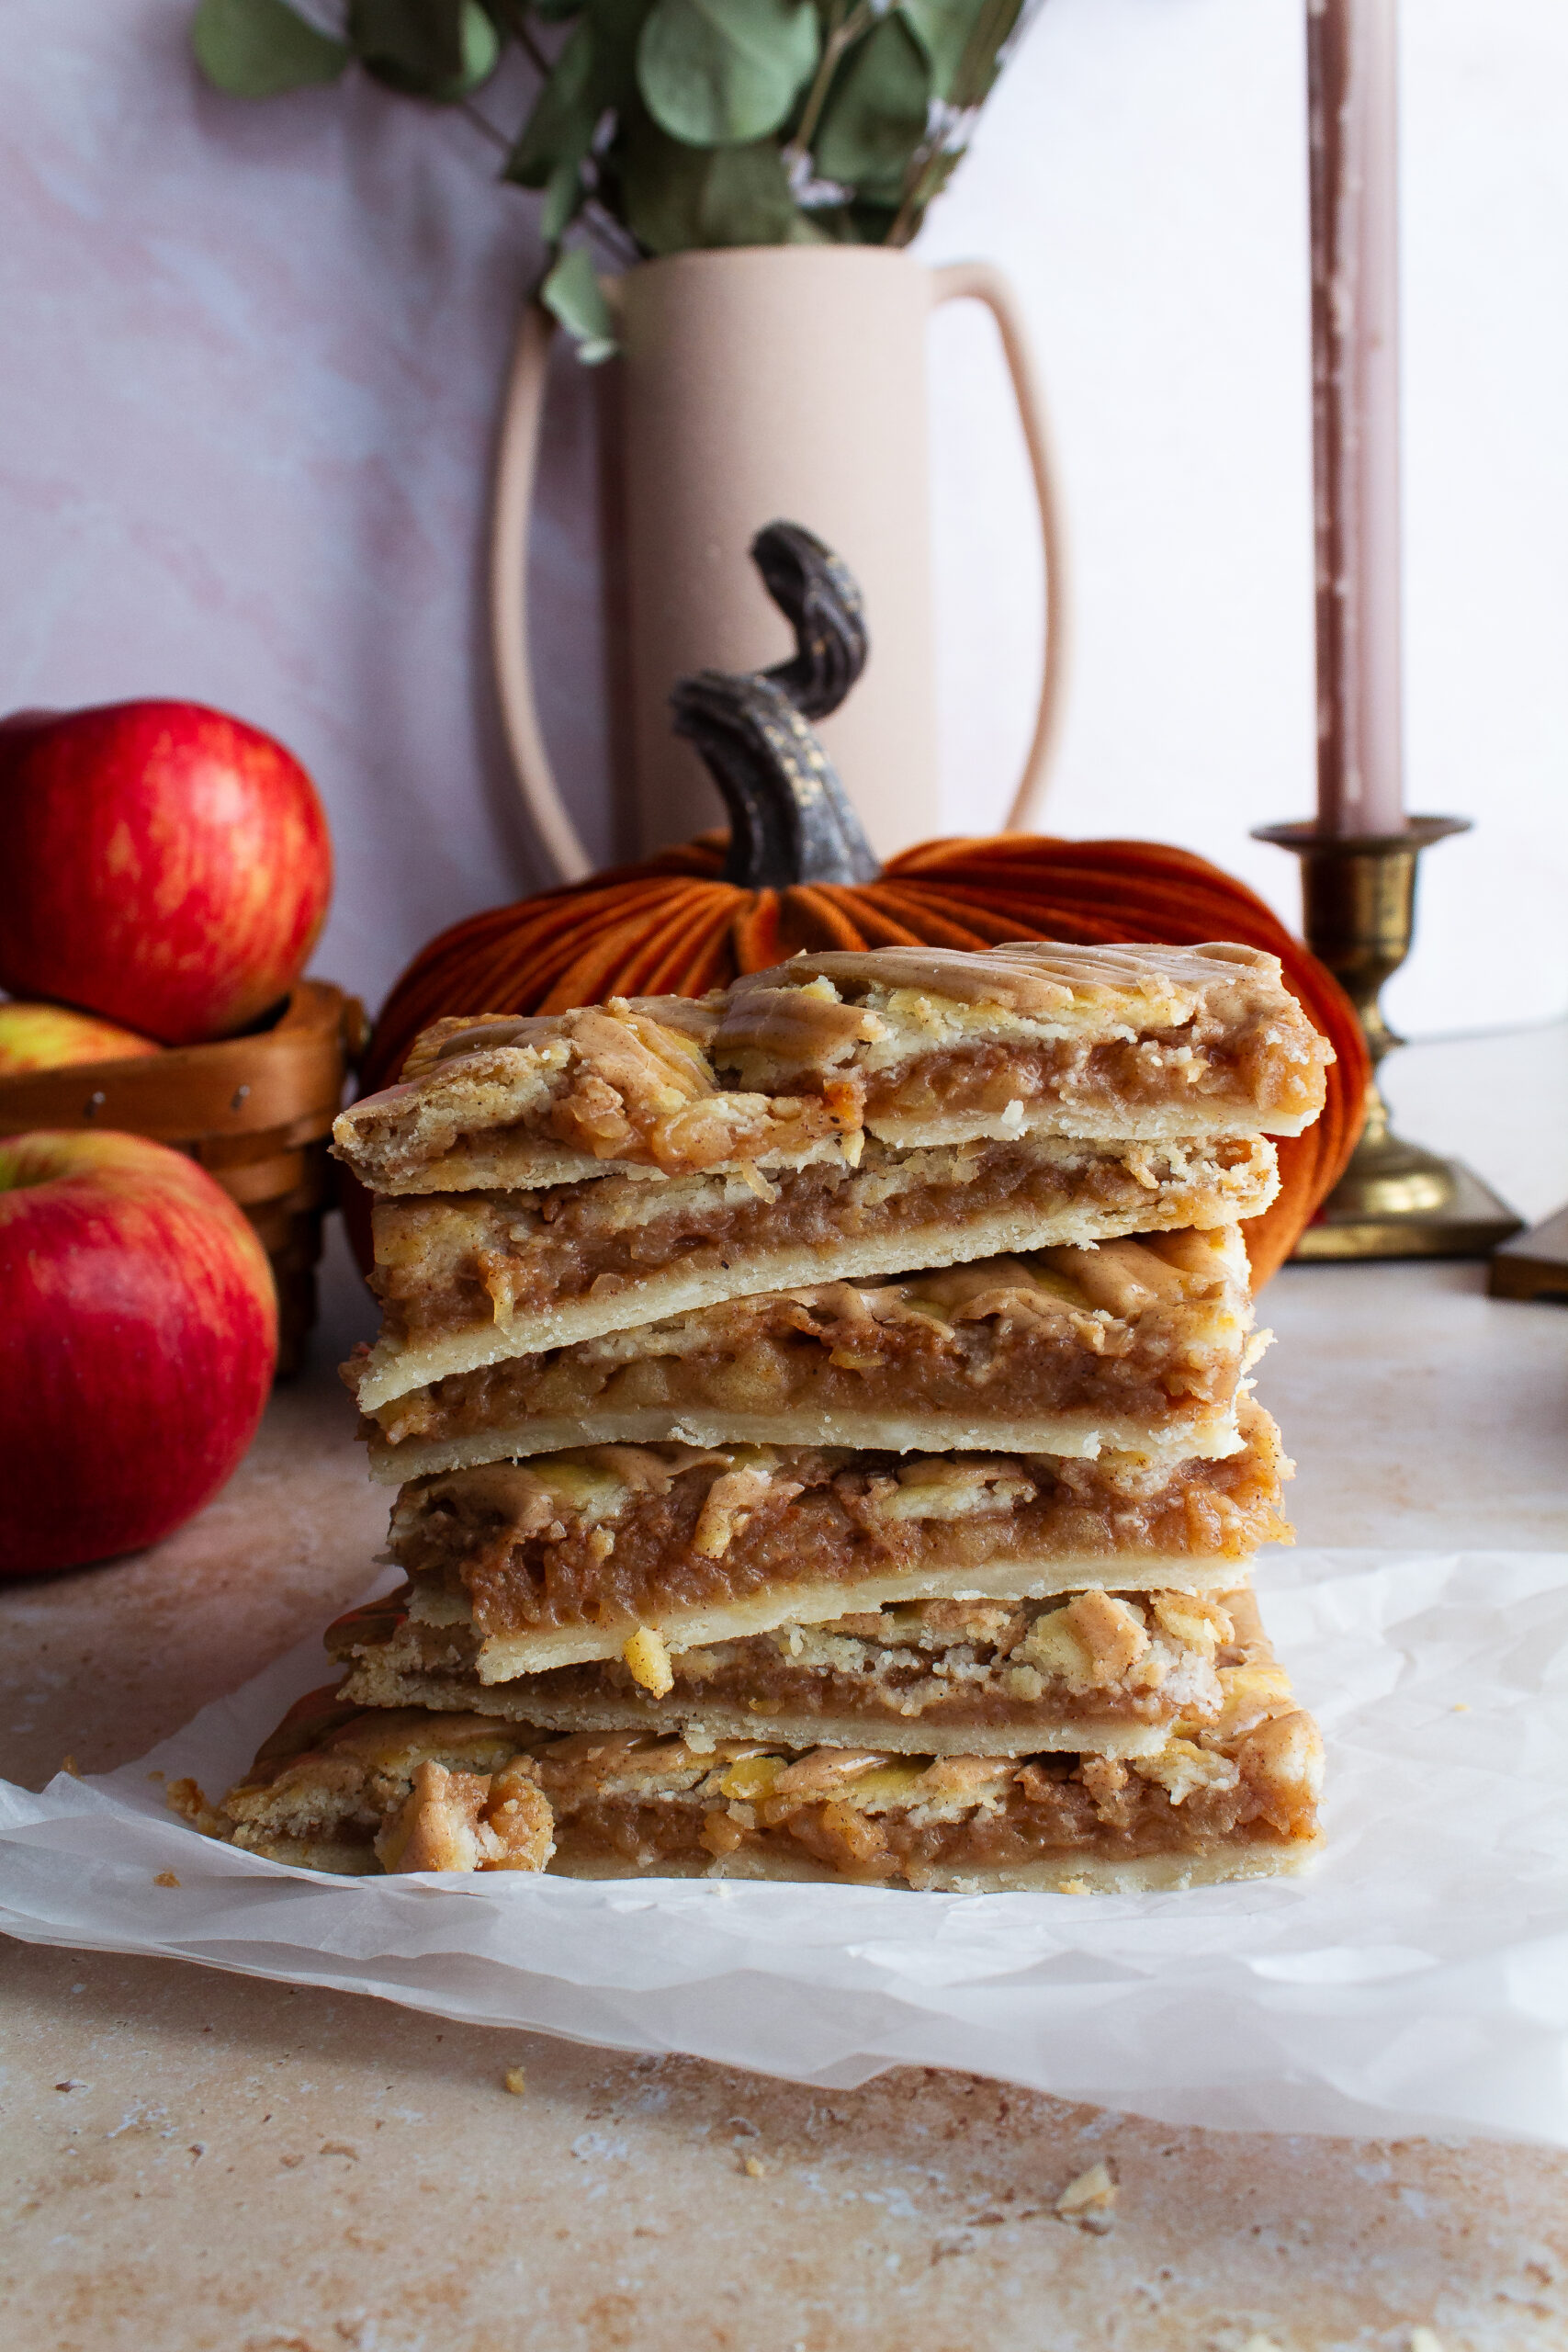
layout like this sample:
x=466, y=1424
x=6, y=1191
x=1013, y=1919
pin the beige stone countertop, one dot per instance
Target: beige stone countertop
x=193, y=2160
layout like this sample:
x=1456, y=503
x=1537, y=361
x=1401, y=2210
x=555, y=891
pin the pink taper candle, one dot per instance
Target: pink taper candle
x=1352, y=73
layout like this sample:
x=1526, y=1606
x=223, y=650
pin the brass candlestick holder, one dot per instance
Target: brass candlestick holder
x=1395, y=1200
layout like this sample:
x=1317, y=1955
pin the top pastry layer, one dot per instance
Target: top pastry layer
x=914, y=1045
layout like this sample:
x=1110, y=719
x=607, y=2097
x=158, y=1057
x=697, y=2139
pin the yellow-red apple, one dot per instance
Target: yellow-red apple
x=50, y=1036
x=141, y=1338
x=159, y=863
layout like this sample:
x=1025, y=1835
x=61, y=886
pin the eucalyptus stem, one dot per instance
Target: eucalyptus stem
x=614, y=234
x=842, y=33
x=978, y=66
x=518, y=23
x=981, y=61
x=927, y=169
x=482, y=122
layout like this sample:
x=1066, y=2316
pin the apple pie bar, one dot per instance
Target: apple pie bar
x=1128, y=1346
x=1098, y=1673
x=566, y=1557
x=471, y=1279
x=341, y=1789
x=915, y=1046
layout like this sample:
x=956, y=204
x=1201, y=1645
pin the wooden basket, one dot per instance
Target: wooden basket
x=253, y=1110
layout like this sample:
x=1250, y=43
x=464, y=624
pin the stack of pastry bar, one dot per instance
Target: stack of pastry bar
x=822, y=1436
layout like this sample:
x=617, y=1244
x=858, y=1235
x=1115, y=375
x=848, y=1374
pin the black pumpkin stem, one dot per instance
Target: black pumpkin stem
x=790, y=818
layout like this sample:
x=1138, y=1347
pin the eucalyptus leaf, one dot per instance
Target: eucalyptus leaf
x=564, y=192
x=675, y=197
x=594, y=70
x=875, y=115
x=427, y=48
x=572, y=294
x=617, y=27
x=560, y=127
x=814, y=229
x=869, y=224
x=961, y=39
x=722, y=72
x=257, y=48
x=943, y=28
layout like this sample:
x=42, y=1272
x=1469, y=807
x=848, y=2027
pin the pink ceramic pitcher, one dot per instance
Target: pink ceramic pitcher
x=759, y=383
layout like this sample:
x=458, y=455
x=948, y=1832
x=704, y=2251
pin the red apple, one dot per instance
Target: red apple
x=50, y=1036
x=140, y=1337
x=159, y=863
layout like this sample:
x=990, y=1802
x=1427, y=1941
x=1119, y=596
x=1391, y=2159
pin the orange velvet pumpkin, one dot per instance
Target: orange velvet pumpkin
x=673, y=925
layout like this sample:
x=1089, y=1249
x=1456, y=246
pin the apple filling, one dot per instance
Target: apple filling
x=1200, y=1085
x=1130, y=1345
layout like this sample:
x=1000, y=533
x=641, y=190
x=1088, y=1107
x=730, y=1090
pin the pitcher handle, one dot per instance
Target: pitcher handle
x=981, y=282
x=517, y=451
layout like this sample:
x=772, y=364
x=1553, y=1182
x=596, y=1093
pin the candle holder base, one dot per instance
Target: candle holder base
x=1396, y=1199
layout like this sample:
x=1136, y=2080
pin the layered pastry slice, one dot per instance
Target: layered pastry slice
x=1097, y=1673
x=467, y=1279
x=914, y=1045
x=546, y=1181
x=1128, y=1346
x=340, y=1790
x=567, y=1557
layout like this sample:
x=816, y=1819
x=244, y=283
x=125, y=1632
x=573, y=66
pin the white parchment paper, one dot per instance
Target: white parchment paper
x=1416, y=1981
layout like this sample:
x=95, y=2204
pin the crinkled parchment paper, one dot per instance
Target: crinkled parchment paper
x=1416, y=1981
